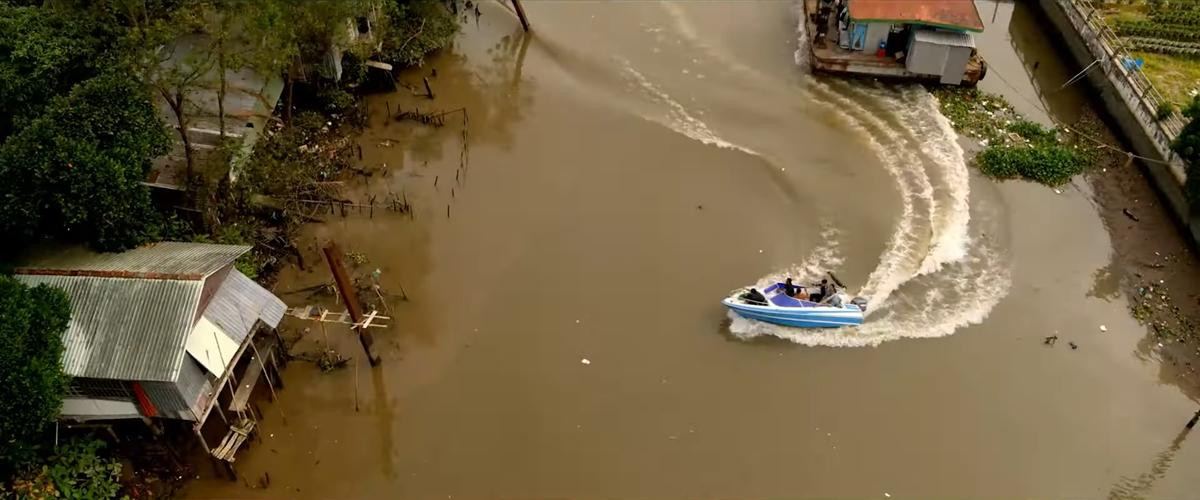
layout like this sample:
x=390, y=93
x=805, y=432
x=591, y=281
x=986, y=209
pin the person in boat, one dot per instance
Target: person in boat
x=754, y=297
x=789, y=288
x=822, y=291
x=832, y=298
x=801, y=293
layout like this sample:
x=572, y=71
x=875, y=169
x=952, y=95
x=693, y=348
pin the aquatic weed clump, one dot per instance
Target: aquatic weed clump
x=1035, y=153
x=1013, y=147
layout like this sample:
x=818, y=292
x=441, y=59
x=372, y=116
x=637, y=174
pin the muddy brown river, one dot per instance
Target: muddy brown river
x=625, y=168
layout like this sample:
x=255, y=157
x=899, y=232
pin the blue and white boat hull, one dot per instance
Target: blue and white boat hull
x=787, y=311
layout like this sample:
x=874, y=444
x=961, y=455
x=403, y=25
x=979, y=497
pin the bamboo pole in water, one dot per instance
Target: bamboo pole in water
x=521, y=14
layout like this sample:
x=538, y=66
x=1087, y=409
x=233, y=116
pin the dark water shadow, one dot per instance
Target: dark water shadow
x=1140, y=485
x=488, y=83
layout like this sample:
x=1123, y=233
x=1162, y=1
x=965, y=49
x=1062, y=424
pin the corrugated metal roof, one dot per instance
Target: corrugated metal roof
x=960, y=14
x=127, y=329
x=945, y=38
x=166, y=260
x=239, y=302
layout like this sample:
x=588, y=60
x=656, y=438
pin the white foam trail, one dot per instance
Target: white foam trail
x=688, y=31
x=940, y=144
x=678, y=118
x=898, y=262
x=933, y=277
x=933, y=134
x=817, y=262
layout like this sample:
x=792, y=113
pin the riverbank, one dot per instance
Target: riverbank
x=1156, y=270
x=1153, y=268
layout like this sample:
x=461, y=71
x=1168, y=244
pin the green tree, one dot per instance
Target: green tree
x=75, y=172
x=416, y=28
x=295, y=35
x=32, y=383
x=175, y=63
x=43, y=53
x=1187, y=146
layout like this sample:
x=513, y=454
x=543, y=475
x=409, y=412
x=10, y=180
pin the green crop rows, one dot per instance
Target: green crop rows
x=1173, y=28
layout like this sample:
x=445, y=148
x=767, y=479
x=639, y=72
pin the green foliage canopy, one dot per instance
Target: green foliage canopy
x=417, y=27
x=31, y=380
x=43, y=53
x=75, y=172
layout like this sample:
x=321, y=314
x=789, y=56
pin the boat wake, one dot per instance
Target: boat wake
x=677, y=117
x=942, y=268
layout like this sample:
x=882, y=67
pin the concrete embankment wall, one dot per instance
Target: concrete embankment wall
x=1127, y=99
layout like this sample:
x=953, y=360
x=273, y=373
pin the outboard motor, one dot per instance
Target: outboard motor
x=861, y=302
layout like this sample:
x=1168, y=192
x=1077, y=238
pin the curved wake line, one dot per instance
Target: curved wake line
x=897, y=263
x=938, y=141
x=678, y=118
x=933, y=277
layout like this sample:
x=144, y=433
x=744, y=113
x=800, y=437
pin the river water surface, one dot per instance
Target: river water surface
x=628, y=166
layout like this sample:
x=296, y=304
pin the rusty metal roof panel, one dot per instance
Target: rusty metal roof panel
x=126, y=329
x=955, y=14
x=165, y=260
x=239, y=302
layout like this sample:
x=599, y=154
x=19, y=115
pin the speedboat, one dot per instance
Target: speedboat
x=772, y=305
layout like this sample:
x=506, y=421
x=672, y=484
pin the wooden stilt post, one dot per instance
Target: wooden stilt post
x=283, y=352
x=203, y=442
x=1192, y=423
x=521, y=14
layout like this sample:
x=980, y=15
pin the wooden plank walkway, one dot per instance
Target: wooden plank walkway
x=233, y=440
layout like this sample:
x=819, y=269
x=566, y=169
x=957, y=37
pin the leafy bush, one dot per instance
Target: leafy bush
x=1032, y=131
x=1187, y=146
x=76, y=471
x=32, y=384
x=333, y=100
x=1164, y=111
x=1049, y=164
x=416, y=28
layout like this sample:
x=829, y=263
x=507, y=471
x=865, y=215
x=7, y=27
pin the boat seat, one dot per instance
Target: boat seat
x=782, y=300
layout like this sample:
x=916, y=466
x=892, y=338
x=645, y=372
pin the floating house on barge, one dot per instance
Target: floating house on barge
x=928, y=40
